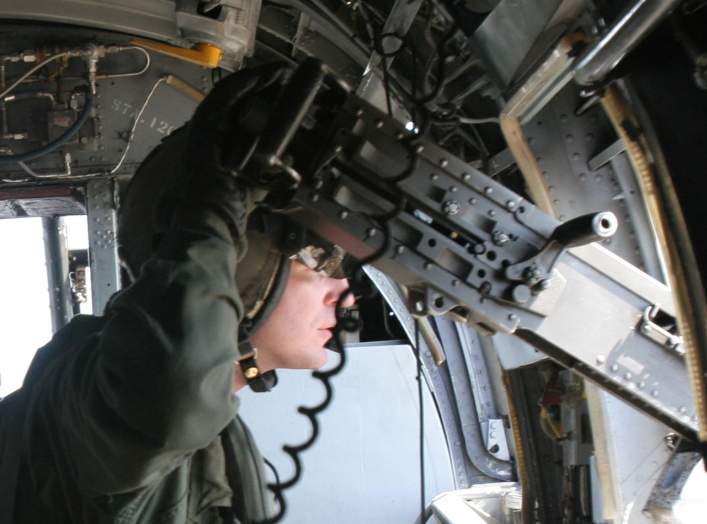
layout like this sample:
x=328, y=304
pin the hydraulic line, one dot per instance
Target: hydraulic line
x=143, y=69
x=24, y=77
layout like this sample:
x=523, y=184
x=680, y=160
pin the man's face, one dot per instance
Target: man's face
x=293, y=336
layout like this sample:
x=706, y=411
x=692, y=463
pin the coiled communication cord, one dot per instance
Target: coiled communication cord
x=343, y=323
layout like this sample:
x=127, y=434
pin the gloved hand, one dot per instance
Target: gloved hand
x=192, y=172
x=221, y=136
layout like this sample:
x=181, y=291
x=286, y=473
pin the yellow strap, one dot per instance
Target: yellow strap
x=205, y=55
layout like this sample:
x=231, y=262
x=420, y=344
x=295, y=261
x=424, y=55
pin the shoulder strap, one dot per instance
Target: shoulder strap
x=244, y=470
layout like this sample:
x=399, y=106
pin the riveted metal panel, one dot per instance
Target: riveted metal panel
x=103, y=251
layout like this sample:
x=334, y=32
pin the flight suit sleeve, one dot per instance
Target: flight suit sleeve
x=156, y=383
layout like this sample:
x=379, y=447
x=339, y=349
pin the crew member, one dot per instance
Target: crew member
x=130, y=417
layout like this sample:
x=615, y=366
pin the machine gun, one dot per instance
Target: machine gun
x=466, y=246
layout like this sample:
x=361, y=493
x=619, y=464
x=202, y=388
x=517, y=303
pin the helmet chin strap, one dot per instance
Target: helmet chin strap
x=257, y=381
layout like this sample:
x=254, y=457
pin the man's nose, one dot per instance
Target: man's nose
x=340, y=287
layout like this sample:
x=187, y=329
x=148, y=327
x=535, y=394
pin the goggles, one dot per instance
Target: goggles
x=330, y=260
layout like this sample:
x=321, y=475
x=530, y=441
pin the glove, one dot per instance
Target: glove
x=219, y=140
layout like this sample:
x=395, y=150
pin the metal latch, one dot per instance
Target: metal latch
x=658, y=333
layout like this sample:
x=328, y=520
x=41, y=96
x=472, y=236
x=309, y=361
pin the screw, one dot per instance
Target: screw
x=600, y=359
x=614, y=368
x=479, y=249
x=400, y=250
x=343, y=215
x=466, y=177
x=511, y=205
x=451, y=207
x=532, y=274
x=500, y=238
x=512, y=317
x=671, y=441
x=488, y=190
x=379, y=123
x=370, y=232
x=444, y=162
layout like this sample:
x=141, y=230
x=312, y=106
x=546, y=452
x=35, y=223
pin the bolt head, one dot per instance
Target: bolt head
x=451, y=207
x=520, y=294
x=500, y=238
